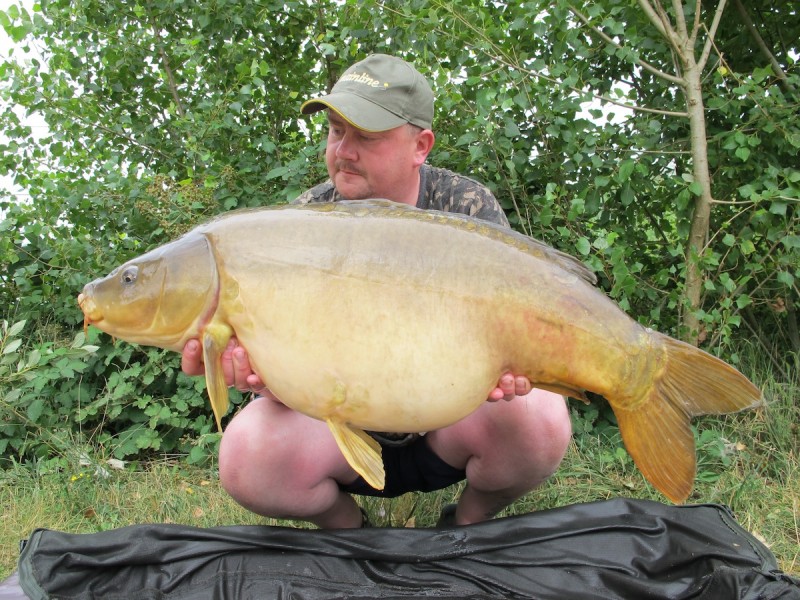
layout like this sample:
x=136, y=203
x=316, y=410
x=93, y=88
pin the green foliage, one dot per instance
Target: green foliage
x=127, y=401
x=156, y=115
x=29, y=379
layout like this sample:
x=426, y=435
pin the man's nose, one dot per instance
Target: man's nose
x=346, y=149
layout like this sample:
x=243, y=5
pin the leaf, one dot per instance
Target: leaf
x=466, y=138
x=778, y=208
x=35, y=409
x=12, y=346
x=105, y=174
x=747, y=247
x=602, y=181
x=742, y=153
x=627, y=196
x=278, y=172
x=33, y=358
x=747, y=191
x=791, y=241
x=625, y=170
x=16, y=328
x=511, y=129
x=79, y=340
x=197, y=455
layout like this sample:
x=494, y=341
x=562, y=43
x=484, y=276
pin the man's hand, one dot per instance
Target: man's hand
x=235, y=366
x=510, y=386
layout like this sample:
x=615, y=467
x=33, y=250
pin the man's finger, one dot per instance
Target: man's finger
x=239, y=369
x=192, y=358
x=522, y=385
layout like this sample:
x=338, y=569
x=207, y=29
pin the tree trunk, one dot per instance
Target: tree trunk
x=698, y=234
x=683, y=41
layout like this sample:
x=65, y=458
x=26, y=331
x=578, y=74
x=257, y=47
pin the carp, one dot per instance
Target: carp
x=352, y=312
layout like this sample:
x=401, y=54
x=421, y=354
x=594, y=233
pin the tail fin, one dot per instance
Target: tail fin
x=656, y=429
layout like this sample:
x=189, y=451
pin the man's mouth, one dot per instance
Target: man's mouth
x=348, y=169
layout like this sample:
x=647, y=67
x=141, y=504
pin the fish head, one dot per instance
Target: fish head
x=162, y=298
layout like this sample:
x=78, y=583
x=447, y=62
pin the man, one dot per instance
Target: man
x=283, y=464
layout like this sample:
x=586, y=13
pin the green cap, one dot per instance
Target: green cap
x=379, y=93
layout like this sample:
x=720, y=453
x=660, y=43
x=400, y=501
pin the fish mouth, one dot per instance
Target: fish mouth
x=91, y=315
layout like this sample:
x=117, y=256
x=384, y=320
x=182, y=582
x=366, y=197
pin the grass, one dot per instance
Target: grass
x=749, y=462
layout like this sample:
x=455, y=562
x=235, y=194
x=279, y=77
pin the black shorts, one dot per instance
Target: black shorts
x=410, y=468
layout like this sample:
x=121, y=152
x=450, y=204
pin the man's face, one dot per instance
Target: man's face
x=364, y=164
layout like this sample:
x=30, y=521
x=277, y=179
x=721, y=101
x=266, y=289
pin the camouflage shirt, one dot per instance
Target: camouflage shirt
x=439, y=189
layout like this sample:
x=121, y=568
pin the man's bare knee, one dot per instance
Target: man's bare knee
x=555, y=431
x=248, y=456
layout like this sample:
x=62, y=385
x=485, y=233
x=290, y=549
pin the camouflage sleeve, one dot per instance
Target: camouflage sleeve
x=482, y=204
x=451, y=192
x=324, y=192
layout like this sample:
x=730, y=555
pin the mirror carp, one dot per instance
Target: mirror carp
x=352, y=312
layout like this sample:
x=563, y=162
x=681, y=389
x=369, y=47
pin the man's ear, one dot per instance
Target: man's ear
x=424, y=144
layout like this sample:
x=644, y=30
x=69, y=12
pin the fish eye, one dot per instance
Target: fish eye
x=129, y=275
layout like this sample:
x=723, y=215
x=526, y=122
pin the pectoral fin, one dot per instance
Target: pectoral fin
x=361, y=451
x=576, y=393
x=215, y=339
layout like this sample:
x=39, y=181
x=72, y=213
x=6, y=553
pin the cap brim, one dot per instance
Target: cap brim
x=357, y=111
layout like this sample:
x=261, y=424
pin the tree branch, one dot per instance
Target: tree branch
x=680, y=20
x=762, y=46
x=701, y=63
x=661, y=22
x=645, y=65
x=655, y=19
x=698, y=7
x=644, y=109
x=173, y=88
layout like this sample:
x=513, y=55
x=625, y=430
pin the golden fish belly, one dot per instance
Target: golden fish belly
x=371, y=358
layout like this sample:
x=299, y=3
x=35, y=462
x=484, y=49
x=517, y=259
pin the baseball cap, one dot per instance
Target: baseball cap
x=379, y=93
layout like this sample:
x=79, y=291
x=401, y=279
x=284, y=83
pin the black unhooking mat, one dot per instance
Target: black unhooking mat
x=614, y=549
